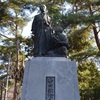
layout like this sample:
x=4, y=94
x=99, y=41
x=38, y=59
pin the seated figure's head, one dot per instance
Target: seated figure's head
x=59, y=30
x=42, y=8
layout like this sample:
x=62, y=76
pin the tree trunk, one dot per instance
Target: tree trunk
x=17, y=65
x=1, y=92
x=95, y=29
x=15, y=89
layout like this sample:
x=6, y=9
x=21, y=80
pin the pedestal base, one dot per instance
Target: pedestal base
x=50, y=78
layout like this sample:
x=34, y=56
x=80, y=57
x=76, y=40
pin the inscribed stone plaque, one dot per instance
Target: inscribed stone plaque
x=50, y=88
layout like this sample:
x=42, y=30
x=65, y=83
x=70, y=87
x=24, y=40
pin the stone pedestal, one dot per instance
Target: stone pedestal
x=50, y=78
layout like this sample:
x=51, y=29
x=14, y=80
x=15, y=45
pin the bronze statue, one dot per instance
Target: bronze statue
x=60, y=45
x=46, y=44
x=41, y=30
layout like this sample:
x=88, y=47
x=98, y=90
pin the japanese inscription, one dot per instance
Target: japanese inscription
x=50, y=88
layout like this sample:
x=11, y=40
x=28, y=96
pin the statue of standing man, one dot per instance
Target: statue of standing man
x=41, y=30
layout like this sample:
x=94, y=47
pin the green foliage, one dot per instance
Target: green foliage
x=55, y=15
x=89, y=80
x=80, y=41
x=3, y=13
x=8, y=47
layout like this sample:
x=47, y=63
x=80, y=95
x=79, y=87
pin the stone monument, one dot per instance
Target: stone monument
x=49, y=75
x=50, y=78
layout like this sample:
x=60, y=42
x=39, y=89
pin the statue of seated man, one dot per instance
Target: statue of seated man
x=59, y=46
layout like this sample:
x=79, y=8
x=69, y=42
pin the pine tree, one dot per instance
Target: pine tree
x=89, y=80
x=87, y=13
x=13, y=20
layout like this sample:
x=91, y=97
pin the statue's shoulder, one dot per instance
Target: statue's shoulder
x=36, y=16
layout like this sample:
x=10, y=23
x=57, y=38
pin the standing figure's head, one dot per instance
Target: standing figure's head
x=42, y=8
